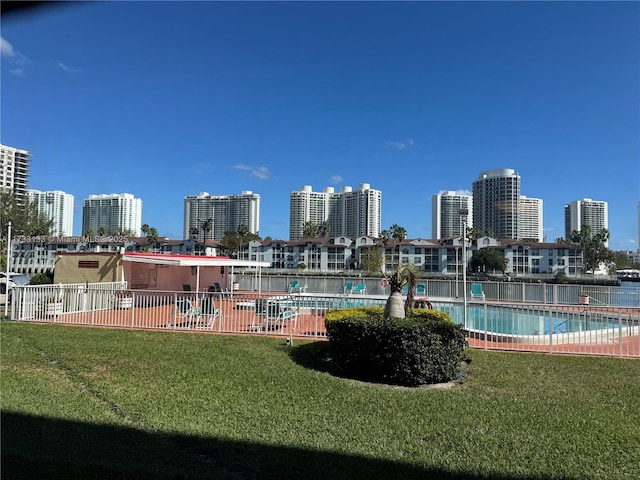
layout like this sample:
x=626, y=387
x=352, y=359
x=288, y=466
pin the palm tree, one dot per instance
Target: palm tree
x=193, y=233
x=323, y=229
x=397, y=233
x=405, y=275
x=206, y=226
x=101, y=232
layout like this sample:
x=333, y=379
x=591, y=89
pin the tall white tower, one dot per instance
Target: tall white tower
x=227, y=213
x=530, y=219
x=445, y=213
x=348, y=212
x=496, y=200
x=579, y=213
x=116, y=213
x=56, y=205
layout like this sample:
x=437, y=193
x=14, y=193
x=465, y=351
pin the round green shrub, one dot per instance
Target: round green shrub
x=427, y=347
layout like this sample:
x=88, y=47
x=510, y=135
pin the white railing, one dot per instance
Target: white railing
x=532, y=326
x=516, y=292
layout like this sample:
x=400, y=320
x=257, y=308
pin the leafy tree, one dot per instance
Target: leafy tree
x=233, y=240
x=309, y=230
x=594, y=251
x=488, y=259
x=24, y=217
x=373, y=261
x=41, y=279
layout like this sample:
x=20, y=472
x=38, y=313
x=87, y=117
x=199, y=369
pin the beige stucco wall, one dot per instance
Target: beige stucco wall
x=66, y=268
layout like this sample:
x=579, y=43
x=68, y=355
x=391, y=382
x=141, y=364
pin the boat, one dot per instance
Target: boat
x=628, y=275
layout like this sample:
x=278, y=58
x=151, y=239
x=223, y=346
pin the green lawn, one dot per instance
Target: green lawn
x=97, y=403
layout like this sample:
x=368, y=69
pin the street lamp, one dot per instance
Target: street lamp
x=463, y=212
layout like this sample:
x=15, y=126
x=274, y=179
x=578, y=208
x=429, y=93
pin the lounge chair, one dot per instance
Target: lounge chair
x=296, y=287
x=361, y=288
x=215, y=288
x=477, y=292
x=203, y=317
x=274, y=314
x=208, y=313
x=185, y=313
x=348, y=288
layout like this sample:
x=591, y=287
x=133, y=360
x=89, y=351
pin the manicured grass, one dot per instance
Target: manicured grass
x=97, y=403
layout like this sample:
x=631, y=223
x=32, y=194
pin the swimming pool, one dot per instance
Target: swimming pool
x=508, y=320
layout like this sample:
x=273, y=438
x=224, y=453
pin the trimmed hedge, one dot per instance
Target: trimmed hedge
x=426, y=347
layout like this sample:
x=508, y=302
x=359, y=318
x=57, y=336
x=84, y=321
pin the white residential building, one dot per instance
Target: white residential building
x=116, y=213
x=348, y=212
x=496, y=199
x=579, y=213
x=14, y=167
x=56, y=205
x=227, y=213
x=445, y=213
x=530, y=219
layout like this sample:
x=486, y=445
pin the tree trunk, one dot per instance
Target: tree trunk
x=395, y=306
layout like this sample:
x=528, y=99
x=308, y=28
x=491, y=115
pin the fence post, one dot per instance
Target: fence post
x=620, y=330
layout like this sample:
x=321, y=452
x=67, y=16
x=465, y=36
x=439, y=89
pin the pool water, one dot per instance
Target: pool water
x=507, y=321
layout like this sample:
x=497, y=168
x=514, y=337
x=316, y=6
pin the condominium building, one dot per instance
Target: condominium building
x=14, y=168
x=446, y=221
x=225, y=212
x=580, y=213
x=115, y=213
x=348, y=212
x=56, y=205
x=496, y=198
x=530, y=219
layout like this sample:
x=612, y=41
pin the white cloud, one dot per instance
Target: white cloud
x=402, y=144
x=14, y=58
x=68, y=69
x=6, y=49
x=260, y=172
x=335, y=179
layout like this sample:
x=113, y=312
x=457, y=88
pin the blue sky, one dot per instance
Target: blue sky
x=167, y=99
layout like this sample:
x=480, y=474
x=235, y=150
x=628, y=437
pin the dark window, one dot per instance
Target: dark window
x=88, y=264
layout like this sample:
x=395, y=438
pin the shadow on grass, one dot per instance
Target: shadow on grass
x=36, y=447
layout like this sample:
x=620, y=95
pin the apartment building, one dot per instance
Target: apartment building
x=116, y=213
x=225, y=213
x=56, y=205
x=351, y=213
x=580, y=213
x=530, y=219
x=446, y=220
x=14, y=170
x=496, y=200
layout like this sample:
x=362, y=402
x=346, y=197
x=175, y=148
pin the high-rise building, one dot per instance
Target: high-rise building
x=579, y=213
x=348, y=212
x=530, y=219
x=496, y=199
x=116, y=213
x=56, y=205
x=227, y=213
x=14, y=169
x=445, y=213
